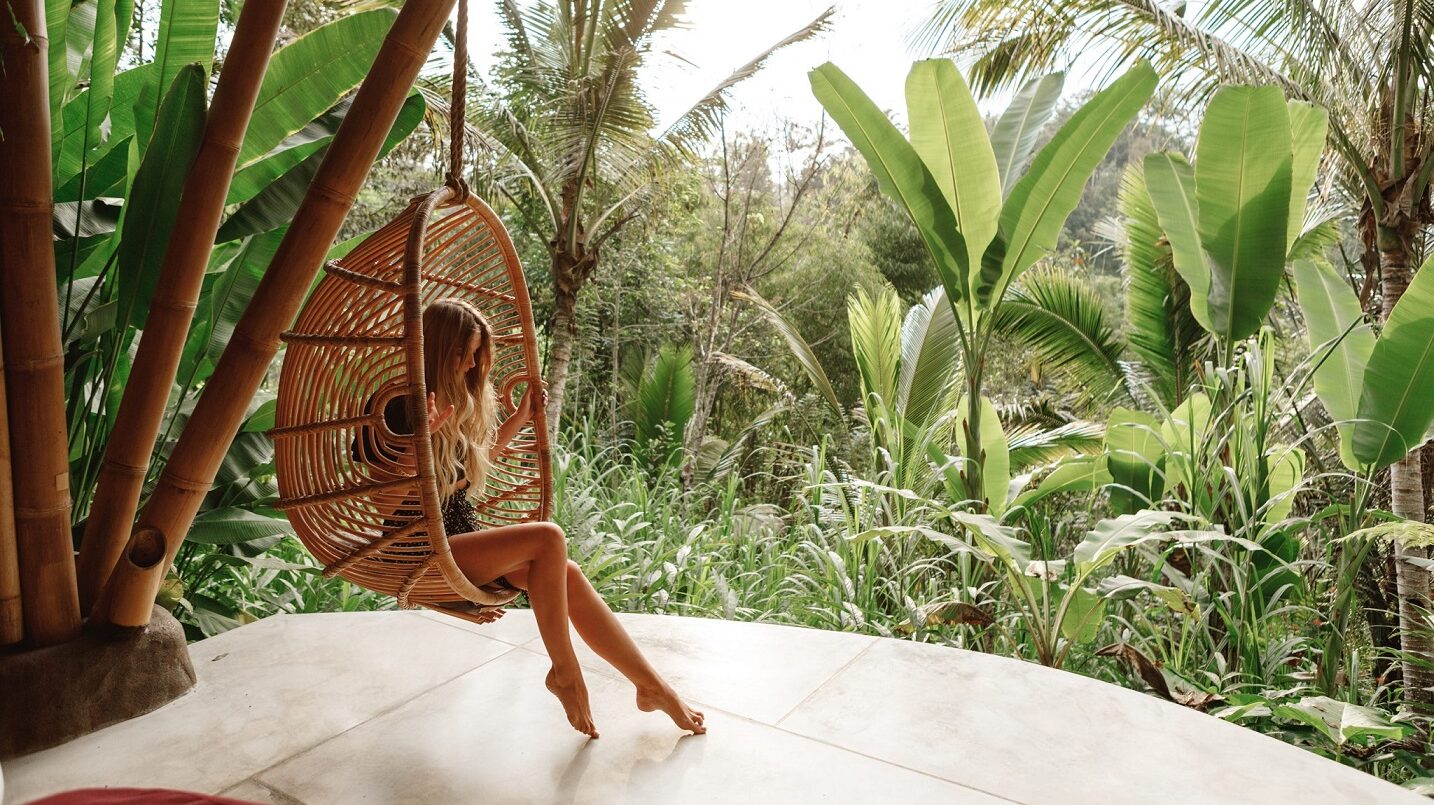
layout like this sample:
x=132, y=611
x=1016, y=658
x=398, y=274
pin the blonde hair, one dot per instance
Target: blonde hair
x=465, y=439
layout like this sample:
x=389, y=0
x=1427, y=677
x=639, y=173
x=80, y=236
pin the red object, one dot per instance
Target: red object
x=136, y=796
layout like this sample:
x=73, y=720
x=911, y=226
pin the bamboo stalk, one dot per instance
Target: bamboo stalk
x=220, y=411
x=12, y=625
x=30, y=331
x=181, y=278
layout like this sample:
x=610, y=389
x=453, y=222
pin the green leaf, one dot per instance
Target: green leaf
x=1084, y=613
x=1171, y=183
x=1242, y=188
x=229, y=296
x=186, y=36
x=1134, y=457
x=899, y=172
x=1076, y=474
x=103, y=58
x=1109, y=537
x=310, y=75
x=930, y=358
x=1309, y=126
x=995, y=466
x=1185, y=434
x=154, y=200
x=1018, y=127
x=1032, y=444
x=875, y=325
x=1033, y=215
x=665, y=400
x=798, y=345
x=1395, y=411
x=57, y=15
x=291, y=151
x=1286, y=471
x=948, y=133
x=276, y=204
x=262, y=419
x=1122, y=587
x=73, y=154
x=231, y=526
x=995, y=540
x=105, y=177
x=1060, y=320
x=1340, y=342
x=1341, y=722
x=1159, y=325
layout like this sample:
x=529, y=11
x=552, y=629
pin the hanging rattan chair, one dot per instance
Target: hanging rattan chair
x=375, y=518
x=358, y=344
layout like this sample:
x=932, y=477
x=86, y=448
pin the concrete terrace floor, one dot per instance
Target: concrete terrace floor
x=415, y=707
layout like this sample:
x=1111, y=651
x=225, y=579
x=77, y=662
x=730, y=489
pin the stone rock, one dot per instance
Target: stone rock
x=58, y=693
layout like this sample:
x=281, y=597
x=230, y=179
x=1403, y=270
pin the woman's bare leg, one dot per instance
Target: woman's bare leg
x=603, y=633
x=539, y=552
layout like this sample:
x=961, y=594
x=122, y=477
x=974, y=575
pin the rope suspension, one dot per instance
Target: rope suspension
x=458, y=106
x=357, y=345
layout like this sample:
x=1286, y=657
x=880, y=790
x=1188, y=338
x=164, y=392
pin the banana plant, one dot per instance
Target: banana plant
x=912, y=403
x=1376, y=389
x=1232, y=218
x=1216, y=461
x=982, y=228
x=123, y=144
x=1063, y=601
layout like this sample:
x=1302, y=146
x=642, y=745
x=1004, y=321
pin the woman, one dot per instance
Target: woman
x=531, y=557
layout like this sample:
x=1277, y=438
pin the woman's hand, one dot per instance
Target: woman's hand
x=436, y=418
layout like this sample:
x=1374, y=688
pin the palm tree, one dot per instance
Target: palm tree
x=571, y=124
x=1366, y=62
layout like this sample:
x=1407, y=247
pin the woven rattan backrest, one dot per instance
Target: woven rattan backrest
x=357, y=345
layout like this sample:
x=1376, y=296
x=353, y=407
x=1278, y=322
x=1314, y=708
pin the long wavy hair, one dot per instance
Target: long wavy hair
x=466, y=438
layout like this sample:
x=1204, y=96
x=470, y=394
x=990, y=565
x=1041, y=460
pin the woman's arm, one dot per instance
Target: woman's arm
x=534, y=395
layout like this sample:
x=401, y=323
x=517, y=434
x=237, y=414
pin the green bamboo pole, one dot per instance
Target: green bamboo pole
x=30, y=330
x=121, y=478
x=220, y=411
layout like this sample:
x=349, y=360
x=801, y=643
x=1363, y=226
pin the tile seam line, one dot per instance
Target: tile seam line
x=834, y=674
x=448, y=620
x=859, y=753
x=379, y=714
x=611, y=674
x=874, y=641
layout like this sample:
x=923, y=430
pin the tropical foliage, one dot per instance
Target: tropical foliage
x=1085, y=382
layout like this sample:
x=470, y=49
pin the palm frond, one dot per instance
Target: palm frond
x=1030, y=445
x=875, y=323
x=699, y=122
x=1159, y=326
x=798, y=345
x=930, y=358
x=1064, y=324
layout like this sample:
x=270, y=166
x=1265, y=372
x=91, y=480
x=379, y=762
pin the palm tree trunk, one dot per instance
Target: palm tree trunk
x=30, y=331
x=220, y=411
x=560, y=352
x=1406, y=490
x=141, y=412
x=572, y=264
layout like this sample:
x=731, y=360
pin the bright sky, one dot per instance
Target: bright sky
x=867, y=39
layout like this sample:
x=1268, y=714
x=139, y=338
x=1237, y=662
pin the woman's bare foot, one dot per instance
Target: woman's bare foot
x=573, y=693
x=664, y=698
